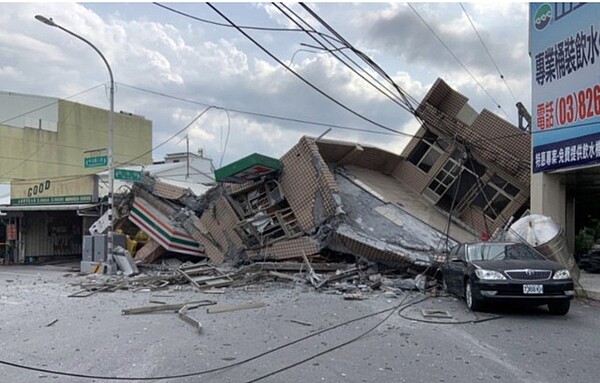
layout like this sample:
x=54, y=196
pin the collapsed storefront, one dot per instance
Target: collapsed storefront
x=298, y=207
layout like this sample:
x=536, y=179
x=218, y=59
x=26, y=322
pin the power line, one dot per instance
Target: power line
x=271, y=116
x=229, y=25
x=335, y=49
x=50, y=104
x=363, y=56
x=300, y=77
x=204, y=372
x=457, y=59
x=488, y=52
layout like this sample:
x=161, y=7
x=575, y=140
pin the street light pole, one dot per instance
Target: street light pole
x=111, y=132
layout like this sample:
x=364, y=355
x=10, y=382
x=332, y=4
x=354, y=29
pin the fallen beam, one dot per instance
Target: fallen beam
x=186, y=318
x=173, y=307
x=286, y=276
x=298, y=266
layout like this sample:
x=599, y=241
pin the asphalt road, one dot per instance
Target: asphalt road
x=90, y=336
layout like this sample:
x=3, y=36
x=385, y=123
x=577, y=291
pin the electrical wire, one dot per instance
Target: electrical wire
x=45, y=143
x=364, y=57
x=256, y=114
x=335, y=49
x=290, y=366
x=204, y=372
x=488, y=52
x=260, y=46
x=228, y=25
x=457, y=59
x=224, y=148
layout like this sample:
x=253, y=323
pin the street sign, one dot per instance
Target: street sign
x=130, y=175
x=95, y=162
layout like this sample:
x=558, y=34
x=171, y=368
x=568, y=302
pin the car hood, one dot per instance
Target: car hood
x=518, y=264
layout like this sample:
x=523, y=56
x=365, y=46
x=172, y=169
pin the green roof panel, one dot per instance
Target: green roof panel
x=247, y=169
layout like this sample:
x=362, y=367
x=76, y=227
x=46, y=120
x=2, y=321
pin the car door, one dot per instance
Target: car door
x=456, y=267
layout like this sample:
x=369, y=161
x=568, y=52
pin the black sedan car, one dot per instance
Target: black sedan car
x=506, y=272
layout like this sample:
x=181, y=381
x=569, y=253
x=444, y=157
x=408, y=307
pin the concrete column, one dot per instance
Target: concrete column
x=548, y=196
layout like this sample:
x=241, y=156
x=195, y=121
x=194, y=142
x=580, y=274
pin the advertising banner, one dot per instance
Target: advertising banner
x=66, y=190
x=565, y=64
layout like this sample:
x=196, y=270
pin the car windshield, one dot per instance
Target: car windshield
x=500, y=251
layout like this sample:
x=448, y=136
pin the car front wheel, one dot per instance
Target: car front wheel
x=473, y=303
x=559, y=308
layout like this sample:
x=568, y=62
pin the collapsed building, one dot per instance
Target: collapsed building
x=326, y=199
x=269, y=209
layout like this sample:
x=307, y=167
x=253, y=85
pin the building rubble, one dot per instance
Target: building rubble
x=298, y=219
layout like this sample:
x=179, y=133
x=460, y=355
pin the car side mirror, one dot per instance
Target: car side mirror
x=455, y=259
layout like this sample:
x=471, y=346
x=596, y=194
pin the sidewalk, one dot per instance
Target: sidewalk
x=589, y=285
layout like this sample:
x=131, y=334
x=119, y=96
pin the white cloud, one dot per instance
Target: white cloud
x=156, y=50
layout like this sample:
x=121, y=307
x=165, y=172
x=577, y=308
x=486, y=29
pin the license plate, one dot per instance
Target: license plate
x=533, y=289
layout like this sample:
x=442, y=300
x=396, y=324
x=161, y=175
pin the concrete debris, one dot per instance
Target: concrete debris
x=298, y=219
x=433, y=313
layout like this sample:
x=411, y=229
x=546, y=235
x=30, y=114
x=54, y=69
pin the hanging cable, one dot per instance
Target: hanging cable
x=299, y=76
x=334, y=50
x=229, y=25
x=224, y=148
x=457, y=59
x=364, y=57
x=488, y=52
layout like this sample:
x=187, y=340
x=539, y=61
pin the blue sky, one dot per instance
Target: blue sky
x=152, y=49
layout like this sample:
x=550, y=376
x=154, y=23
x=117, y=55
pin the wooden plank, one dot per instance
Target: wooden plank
x=286, y=276
x=228, y=308
x=172, y=307
x=298, y=266
x=186, y=318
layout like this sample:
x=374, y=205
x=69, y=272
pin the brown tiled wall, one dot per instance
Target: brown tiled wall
x=369, y=157
x=501, y=147
x=168, y=191
x=358, y=248
x=301, y=182
x=292, y=248
x=219, y=220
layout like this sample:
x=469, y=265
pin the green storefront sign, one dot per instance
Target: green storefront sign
x=51, y=200
x=247, y=169
x=131, y=175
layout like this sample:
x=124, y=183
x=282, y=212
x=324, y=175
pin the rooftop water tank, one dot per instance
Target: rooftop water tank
x=547, y=237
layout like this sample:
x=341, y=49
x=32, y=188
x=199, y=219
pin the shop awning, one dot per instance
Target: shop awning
x=47, y=207
x=162, y=229
x=247, y=169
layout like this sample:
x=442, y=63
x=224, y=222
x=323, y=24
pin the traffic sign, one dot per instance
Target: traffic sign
x=130, y=175
x=95, y=162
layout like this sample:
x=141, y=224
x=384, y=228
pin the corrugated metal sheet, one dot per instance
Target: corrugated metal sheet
x=52, y=233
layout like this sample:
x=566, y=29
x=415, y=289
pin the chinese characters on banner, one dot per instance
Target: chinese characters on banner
x=565, y=53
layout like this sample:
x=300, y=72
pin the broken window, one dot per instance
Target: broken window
x=495, y=196
x=265, y=215
x=427, y=151
x=448, y=194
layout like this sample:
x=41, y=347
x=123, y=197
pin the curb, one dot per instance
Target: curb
x=587, y=294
